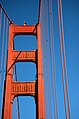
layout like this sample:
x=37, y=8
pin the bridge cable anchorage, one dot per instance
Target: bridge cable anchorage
x=6, y=14
x=63, y=61
x=52, y=52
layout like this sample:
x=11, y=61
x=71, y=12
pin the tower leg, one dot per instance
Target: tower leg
x=41, y=101
x=41, y=105
x=7, y=109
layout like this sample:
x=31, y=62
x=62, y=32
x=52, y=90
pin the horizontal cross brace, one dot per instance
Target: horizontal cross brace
x=20, y=56
x=24, y=30
x=23, y=88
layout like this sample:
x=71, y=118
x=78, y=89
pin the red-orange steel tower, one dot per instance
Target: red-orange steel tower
x=33, y=88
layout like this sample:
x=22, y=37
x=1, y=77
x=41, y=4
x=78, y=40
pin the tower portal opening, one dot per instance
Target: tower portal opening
x=25, y=42
x=26, y=107
x=25, y=72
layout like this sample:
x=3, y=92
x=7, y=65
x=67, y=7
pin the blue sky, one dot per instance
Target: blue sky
x=20, y=12
x=27, y=11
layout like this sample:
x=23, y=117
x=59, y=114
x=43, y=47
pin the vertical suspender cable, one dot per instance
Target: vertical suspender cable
x=46, y=58
x=3, y=24
x=0, y=41
x=0, y=18
x=47, y=45
x=6, y=45
x=17, y=97
x=3, y=44
x=7, y=37
x=63, y=61
x=53, y=58
x=3, y=51
x=3, y=47
x=0, y=58
x=61, y=48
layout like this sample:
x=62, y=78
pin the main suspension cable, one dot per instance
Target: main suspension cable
x=47, y=56
x=39, y=10
x=5, y=14
x=43, y=19
x=53, y=58
x=63, y=61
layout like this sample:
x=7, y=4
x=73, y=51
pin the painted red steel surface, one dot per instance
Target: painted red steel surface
x=34, y=88
x=27, y=56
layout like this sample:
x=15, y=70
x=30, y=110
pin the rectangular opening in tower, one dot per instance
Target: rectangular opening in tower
x=24, y=107
x=25, y=42
x=25, y=72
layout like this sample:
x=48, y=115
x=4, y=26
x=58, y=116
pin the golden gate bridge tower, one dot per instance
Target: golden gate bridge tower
x=44, y=59
x=34, y=88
